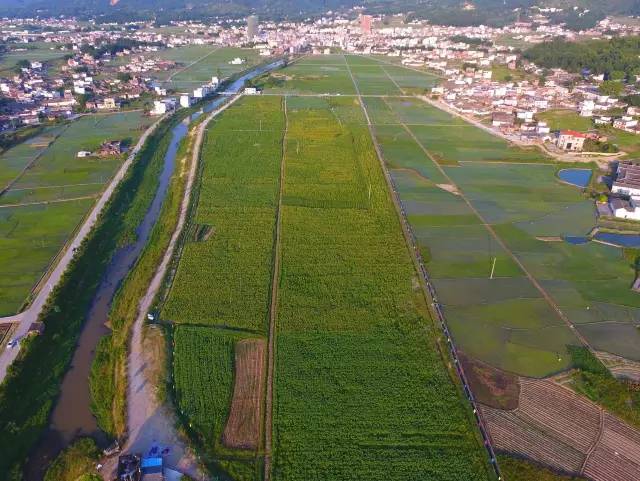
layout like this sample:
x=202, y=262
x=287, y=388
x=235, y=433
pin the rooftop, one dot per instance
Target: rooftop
x=628, y=174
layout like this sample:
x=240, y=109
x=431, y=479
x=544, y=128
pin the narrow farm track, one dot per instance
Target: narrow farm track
x=54, y=201
x=273, y=309
x=148, y=420
x=393, y=81
x=547, y=297
x=425, y=285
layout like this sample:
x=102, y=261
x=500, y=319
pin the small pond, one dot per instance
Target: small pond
x=622, y=240
x=577, y=177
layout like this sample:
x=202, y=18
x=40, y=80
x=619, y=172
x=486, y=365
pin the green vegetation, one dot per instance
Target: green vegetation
x=221, y=288
x=610, y=57
x=231, y=271
x=75, y=463
x=565, y=120
x=45, y=204
x=360, y=389
x=593, y=380
x=108, y=373
x=516, y=469
x=22, y=423
x=198, y=63
x=504, y=321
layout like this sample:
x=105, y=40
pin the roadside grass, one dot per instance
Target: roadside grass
x=361, y=391
x=108, y=379
x=77, y=460
x=565, y=120
x=32, y=235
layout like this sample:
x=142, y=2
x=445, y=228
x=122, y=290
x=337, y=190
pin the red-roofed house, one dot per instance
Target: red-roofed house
x=571, y=140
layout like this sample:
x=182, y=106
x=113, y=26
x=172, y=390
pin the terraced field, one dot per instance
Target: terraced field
x=49, y=192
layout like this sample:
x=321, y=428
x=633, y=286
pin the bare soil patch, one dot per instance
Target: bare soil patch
x=491, y=386
x=243, y=425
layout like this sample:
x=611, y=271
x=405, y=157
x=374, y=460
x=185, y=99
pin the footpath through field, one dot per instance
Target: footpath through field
x=29, y=316
x=273, y=309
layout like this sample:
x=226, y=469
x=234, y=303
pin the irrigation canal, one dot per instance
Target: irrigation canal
x=72, y=416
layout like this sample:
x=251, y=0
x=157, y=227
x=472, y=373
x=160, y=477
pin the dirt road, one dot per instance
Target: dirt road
x=30, y=315
x=149, y=422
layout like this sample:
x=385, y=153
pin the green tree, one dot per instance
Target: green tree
x=611, y=87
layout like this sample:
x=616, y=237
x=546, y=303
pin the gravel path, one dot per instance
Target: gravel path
x=149, y=422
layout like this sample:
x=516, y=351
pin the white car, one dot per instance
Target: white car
x=13, y=343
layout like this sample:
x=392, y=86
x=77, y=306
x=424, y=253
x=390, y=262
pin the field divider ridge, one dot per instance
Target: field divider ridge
x=273, y=308
x=427, y=287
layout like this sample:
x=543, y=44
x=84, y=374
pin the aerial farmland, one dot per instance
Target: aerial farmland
x=46, y=192
x=296, y=270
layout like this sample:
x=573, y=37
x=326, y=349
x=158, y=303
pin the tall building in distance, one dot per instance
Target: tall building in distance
x=252, y=27
x=365, y=23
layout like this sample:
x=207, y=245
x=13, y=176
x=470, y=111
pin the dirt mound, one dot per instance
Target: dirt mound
x=491, y=386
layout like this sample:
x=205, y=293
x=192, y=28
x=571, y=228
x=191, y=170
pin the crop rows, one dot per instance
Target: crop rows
x=558, y=428
x=361, y=392
x=224, y=280
x=220, y=295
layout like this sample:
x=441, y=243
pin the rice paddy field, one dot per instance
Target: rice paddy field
x=360, y=389
x=503, y=319
x=47, y=201
x=198, y=63
x=329, y=74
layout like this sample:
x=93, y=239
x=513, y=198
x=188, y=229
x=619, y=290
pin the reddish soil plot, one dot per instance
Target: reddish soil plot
x=243, y=425
x=558, y=428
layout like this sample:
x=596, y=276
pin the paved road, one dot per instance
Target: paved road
x=148, y=421
x=27, y=317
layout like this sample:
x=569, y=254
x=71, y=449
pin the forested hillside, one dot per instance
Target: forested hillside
x=616, y=58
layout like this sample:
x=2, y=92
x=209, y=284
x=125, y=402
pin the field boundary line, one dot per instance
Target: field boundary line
x=197, y=61
x=428, y=292
x=54, y=201
x=273, y=307
x=596, y=442
x=402, y=91
x=67, y=253
x=19, y=189
x=142, y=404
x=11, y=183
x=547, y=297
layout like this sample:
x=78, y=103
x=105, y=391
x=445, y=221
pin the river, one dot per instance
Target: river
x=72, y=416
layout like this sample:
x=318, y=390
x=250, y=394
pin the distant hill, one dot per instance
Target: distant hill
x=490, y=12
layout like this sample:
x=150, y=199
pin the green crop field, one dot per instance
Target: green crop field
x=231, y=271
x=222, y=286
x=46, y=202
x=329, y=74
x=361, y=392
x=360, y=389
x=198, y=63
